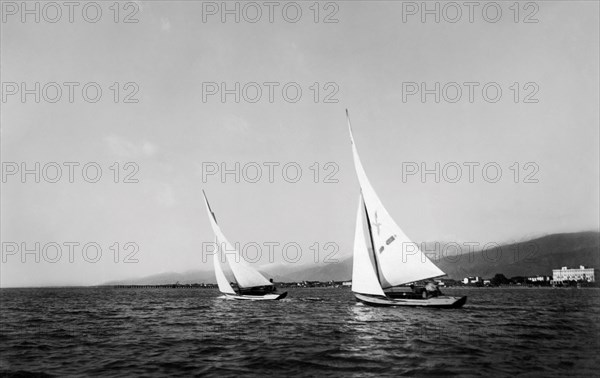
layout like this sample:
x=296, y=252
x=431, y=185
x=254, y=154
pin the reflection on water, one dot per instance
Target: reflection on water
x=324, y=332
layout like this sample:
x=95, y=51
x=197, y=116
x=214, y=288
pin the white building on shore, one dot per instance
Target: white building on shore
x=472, y=280
x=577, y=274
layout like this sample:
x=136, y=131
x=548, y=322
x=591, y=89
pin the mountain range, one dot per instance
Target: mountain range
x=527, y=258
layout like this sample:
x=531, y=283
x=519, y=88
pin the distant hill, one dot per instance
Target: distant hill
x=190, y=277
x=338, y=271
x=279, y=273
x=537, y=256
x=533, y=257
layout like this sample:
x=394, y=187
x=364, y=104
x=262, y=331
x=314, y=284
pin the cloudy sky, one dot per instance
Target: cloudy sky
x=167, y=118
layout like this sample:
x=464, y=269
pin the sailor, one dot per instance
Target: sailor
x=432, y=289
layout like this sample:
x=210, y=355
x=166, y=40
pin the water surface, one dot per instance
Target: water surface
x=313, y=332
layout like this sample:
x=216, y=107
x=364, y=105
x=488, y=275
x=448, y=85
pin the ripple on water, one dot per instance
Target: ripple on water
x=313, y=332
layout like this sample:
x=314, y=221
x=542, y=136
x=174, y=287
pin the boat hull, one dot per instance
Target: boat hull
x=434, y=302
x=266, y=297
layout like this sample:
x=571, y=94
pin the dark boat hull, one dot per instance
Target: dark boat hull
x=433, y=302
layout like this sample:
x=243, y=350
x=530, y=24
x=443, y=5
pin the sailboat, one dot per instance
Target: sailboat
x=385, y=258
x=252, y=286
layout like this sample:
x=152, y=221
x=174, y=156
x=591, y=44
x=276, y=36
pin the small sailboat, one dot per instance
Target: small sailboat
x=385, y=258
x=252, y=286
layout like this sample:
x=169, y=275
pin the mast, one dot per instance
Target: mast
x=372, y=242
x=208, y=205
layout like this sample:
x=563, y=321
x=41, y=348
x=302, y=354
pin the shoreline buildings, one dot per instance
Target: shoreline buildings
x=577, y=274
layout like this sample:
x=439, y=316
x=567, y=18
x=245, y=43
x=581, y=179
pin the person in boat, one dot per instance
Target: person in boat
x=416, y=292
x=259, y=290
x=431, y=290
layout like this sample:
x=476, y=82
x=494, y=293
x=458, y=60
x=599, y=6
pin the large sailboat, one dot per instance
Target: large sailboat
x=251, y=285
x=385, y=258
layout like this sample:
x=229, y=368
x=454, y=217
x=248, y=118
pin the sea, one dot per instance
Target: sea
x=314, y=332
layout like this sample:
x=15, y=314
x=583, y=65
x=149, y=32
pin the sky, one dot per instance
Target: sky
x=171, y=123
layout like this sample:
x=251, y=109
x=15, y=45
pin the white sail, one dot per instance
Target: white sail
x=245, y=275
x=224, y=286
x=364, y=275
x=399, y=259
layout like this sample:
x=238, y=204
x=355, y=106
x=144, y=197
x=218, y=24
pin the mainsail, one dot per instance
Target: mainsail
x=245, y=275
x=398, y=259
x=222, y=282
x=364, y=274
